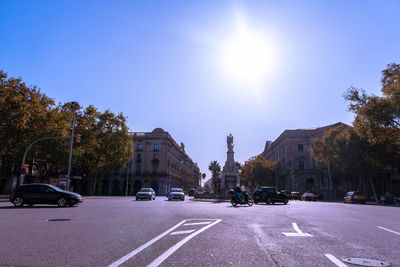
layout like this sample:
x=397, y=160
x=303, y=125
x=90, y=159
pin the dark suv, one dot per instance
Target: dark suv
x=269, y=194
x=43, y=194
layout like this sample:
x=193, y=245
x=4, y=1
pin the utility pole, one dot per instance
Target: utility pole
x=329, y=177
x=127, y=178
x=75, y=105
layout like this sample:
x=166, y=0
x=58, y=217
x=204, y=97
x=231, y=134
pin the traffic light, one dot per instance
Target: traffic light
x=78, y=138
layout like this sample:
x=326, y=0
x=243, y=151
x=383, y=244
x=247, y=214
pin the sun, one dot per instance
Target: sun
x=248, y=56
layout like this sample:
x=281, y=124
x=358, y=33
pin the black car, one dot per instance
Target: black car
x=191, y=192
x=31, y=194
x=269, y=194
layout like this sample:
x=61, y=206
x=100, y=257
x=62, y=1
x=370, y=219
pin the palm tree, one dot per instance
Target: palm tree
x=215, y=170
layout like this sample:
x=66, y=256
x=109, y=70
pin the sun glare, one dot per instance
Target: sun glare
x=248, y=57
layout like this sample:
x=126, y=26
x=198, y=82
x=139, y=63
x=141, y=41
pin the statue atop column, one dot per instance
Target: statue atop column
x=230, y=172
x=229, y=141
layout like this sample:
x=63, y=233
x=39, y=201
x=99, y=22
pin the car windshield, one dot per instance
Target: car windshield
x=56, y=188
x=145, y=190
x=176, y=190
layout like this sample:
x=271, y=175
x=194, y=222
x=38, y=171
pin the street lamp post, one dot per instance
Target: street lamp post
x=22, y=174
x=71, y=145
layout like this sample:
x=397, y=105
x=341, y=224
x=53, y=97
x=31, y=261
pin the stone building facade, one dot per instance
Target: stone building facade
x=159, y=162
x=297, y=170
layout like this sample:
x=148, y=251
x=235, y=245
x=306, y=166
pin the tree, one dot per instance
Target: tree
x=259, y=171
x=378, y=118
x=350, y=157
x=215, y=170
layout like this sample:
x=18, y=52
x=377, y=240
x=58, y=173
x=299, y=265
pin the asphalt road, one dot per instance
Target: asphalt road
x=101, y=231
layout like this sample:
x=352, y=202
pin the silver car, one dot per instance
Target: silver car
x=146, y=193
x=176, y=193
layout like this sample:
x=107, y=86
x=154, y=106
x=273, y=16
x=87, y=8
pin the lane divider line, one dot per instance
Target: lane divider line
x=298, y=232
x=198, y=223
x=175, y=247
x=142, y=247
x=182, y=232
x=335, y=260
x=383, y=228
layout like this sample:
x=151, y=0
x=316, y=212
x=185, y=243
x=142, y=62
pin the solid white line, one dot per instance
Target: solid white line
x=139, y=249
x=335, y=260
x=171, y=250
x=383, y=228
x=199, y=223
x=182, y=232
x=296, y=228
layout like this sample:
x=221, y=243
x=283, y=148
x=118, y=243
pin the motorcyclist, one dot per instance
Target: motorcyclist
x=238, y=191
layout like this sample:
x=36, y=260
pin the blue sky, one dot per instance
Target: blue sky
x=164, y=63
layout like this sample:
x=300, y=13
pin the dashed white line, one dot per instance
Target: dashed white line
x=198, y=223
x=335, y=260
x=383, y=228
x=182, y=232
x=298, y=231
x=142, y=247
x=171, y=250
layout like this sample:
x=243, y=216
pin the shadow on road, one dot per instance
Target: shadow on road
x=33, y=207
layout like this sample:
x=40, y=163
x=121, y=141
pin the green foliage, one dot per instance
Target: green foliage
x=215, y=169
x=259, y=171
x=26, y=115
x=378, y=117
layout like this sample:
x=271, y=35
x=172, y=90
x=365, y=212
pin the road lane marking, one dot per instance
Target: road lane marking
x=198, y=223
x=182, y=232
x=335, y=260
x=298, y=231
x=175, y=247
x=383, y=228
x=142, y=247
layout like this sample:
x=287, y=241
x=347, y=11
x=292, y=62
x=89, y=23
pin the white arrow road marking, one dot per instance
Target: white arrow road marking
x=335, y=260
x=198, y=223
x=182, y=232
x=298, y=231
x=168, y=253
x=383, y=228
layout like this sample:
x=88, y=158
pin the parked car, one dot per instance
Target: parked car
x=31, y=194
x=354, y=197
x=295, y=195
x=146, y=193
x=191, y=192
x=269, y=194
x=176, y=193
x=309, y=197
x=387, y=199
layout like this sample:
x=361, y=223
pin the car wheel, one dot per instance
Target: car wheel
x=285, y=201
x=18, y=202
x=255, y=201
x=154, y=198
x=268, y=202
x=250, y=202
x=61, y=202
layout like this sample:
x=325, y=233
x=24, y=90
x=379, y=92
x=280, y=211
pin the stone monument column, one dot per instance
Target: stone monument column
x=230, y=173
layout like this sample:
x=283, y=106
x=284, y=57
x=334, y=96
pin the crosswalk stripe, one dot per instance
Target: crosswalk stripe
x=183, y=232
x=197, y=223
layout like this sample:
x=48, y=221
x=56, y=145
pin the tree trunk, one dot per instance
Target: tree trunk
x=373, y=188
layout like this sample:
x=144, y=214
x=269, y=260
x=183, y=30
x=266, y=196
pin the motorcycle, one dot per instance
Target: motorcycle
x=243, y=200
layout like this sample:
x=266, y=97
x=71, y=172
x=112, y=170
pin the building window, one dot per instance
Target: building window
x=300, y=147
x=139, y=147
x=155, y=147
x=301, y=165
